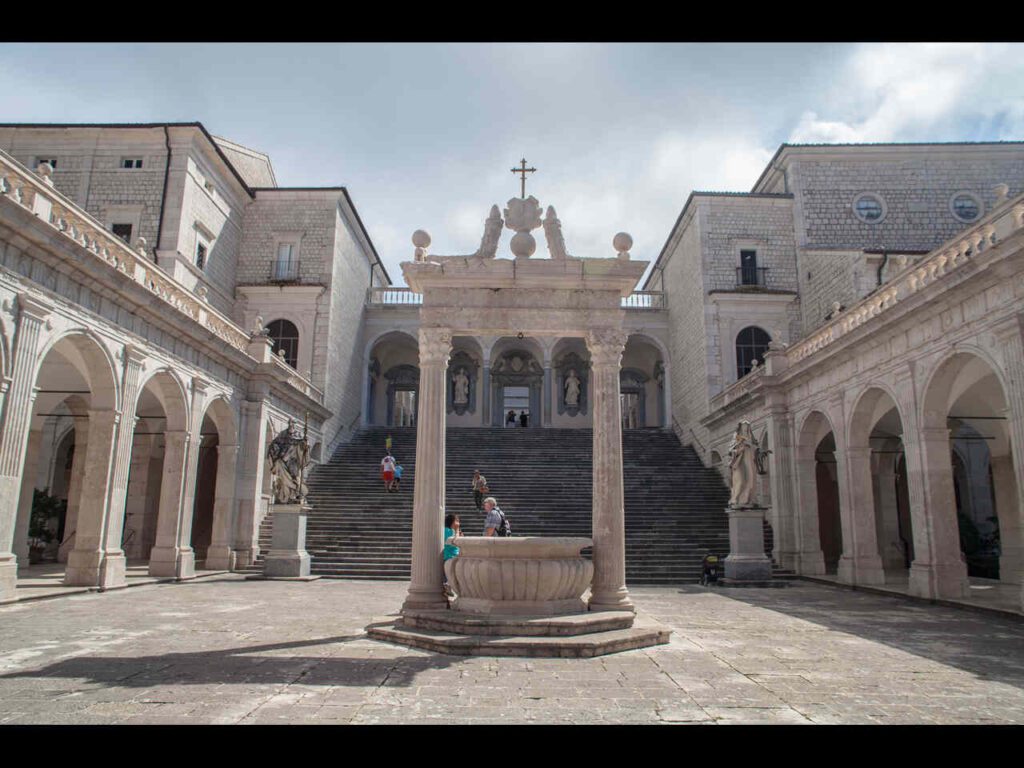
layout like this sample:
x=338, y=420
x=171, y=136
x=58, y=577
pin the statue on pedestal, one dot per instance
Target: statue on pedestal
x=460, y=387
x=572, y=389
x=288, y=455
x=746, y=461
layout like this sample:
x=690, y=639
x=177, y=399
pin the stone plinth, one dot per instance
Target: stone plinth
x=288, y=557
x=531, y=576
x=747, y=561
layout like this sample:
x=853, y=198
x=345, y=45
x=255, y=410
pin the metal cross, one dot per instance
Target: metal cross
x=523, y=171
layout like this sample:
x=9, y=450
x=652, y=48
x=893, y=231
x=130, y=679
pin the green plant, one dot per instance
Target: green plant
x=45, y=508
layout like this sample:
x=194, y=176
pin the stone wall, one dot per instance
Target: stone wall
x=253, y=166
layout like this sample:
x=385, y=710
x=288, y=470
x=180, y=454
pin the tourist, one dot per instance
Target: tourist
x=479, y=489
x=387, y=471
x=387, y=444
x=523, y=418
x=510, y=421
x=452, y=531
x=495, y=524
x=398, y=476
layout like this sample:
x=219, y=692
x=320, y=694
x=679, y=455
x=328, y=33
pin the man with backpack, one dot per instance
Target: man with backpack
x=496, y=524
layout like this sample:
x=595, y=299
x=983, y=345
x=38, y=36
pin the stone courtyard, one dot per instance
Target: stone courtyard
x=226, y=650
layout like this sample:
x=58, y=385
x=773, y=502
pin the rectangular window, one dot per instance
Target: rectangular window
x=748, y=268
x=124, y=231
x=201, y=251
x=131, y=162
x=286, y=266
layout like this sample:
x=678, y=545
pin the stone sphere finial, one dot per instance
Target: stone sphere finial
x=622, y=242
x=46, y=171
x=523, y=245
x=1002, y=191
x=421, y=239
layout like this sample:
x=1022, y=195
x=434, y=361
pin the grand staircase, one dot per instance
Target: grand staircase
x=542, y=481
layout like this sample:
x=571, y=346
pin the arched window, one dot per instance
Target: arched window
x=285, y=336
x=751, y=344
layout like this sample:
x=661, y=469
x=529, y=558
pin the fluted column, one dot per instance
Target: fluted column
x=14, y=433
x=608, y=591
x=1011, y=341
x=860, y=562
x=78, y=469
x=251, y=463
x=170, y=556
x=428, y=494
x=220, y=555
x=86, y=561
x=26, y=495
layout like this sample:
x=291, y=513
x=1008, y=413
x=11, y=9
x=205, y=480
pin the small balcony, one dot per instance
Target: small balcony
x=644, y=300
x=751, y=277
x=284, y=271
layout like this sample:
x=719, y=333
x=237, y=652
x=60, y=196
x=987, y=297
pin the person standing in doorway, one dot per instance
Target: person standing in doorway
x=510, y=420
x=523, y=418
x=479, y=488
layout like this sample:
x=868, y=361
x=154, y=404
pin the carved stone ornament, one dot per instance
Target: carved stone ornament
x=523, y=215
x=572, y=379
x=516, y=367
x=288, y=455
x=553, y=234
x=435, y=346
x=492, y=234
x=606, y=345
x=462, y=383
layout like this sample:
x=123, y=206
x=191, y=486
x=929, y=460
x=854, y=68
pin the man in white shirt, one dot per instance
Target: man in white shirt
x=387, y=472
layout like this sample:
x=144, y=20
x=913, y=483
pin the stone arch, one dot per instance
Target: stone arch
x=658, y=388
x=167, y=386
x=965, y=411
x=379, y=358
x=287, y=336
x=92, y=358
x=517, y=380
x=213, y=507
x=814, y=427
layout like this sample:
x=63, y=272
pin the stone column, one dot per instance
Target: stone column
x=608, y=591
x=25, y=497
x=1011, y=342
x=887, y=524
x=220, y=555
x=115, y=563
x=78, y=468
x=781, y=476
x=251, y=465
x=14, y=435
x=546, y=395
x=1004, y=480
x=938, y=569
x=810, y=560
x=171, y=555
x=860, y=562
x=428, y=494
x=87, y=559
x=485, y=392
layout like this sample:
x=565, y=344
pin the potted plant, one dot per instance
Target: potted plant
x=46, y=511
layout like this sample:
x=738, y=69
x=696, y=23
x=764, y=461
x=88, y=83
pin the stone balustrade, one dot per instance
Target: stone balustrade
x=392, y=296
x=1003, y=222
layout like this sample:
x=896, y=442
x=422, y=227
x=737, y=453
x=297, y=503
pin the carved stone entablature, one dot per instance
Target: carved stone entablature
x=461, y=386
x=517, y=367
x=573, y=378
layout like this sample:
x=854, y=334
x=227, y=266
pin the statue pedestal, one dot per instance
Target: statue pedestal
x=747, y=564
x=288, y=557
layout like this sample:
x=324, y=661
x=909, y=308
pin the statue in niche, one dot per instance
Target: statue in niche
x=572, y=389
x=288, y=455
x=746, y=461
x=460, y=387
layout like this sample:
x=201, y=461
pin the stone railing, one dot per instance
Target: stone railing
x=737, y=389
x=1007, y=219
x=36, y=193
x=393, y=296
x=301, y=383
x=644, y=300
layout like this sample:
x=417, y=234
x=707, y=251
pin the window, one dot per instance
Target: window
x=748, y=268
x=285, y=336
x=201, y=251
x=965, y=207
x=131, y=162
x=869, y=208
x=286, y=266
x=751, y=344
x=124, y=231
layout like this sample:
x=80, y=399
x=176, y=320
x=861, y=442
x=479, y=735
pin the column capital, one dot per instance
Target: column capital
x=606, y=345
x=435, y=346
x=132, y=355
x=32, y=307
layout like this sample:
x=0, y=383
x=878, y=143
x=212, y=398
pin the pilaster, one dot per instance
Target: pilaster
x=220, y=555
x=860, y=562
x=170, y=556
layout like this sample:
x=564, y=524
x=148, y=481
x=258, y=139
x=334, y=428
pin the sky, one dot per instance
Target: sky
x=424, y=136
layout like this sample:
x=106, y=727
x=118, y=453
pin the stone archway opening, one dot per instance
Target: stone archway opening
x=393, y=381
x=517, y=383
x=206, y=484
x=826, y=480
x=642, y=384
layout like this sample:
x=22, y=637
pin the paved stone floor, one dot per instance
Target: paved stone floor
x=226, y=650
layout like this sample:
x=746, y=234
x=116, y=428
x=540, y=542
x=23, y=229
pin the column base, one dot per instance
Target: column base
x=861, y=570
x=90, y=568
x=420, y=600
x=939, y=581
x=611, y=600
x=8, y=577
x=244, y=558
x=810, y=563
x=172, y=562
x=221, y=559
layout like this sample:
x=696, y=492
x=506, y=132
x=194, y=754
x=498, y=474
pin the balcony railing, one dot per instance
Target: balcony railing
x=644, y=300
x=751, y=277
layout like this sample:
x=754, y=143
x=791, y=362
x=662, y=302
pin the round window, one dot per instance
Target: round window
x=965, y=207
x=869, y=208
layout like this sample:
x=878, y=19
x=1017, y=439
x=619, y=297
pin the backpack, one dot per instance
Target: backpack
x=505, y=528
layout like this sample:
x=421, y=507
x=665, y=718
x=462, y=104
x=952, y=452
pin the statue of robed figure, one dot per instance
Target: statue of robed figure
x=746, y=461
x=288, y=455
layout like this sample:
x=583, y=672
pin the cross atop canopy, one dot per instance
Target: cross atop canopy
x=522, y=171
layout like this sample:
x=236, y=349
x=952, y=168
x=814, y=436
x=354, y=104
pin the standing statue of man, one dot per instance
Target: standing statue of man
x=572, y=388
x=743, y=466
x=460, y=387
x=288, y=455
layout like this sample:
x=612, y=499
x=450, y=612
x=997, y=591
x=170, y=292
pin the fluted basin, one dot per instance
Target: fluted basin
x=530, y=575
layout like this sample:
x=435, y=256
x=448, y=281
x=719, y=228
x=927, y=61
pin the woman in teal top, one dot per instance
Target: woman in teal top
x=452, y=530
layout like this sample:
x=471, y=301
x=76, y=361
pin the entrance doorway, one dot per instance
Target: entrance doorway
x=516, y=400
x=405, y=408
x=630, y=403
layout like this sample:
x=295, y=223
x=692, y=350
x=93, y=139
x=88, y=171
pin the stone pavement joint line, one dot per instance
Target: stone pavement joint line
x=224, y=650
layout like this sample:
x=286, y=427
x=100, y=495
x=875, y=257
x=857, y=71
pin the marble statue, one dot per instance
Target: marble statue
x=492, y=233
x=460, y=387
x=742, y=466
x=288, y=455
x=553, y=234
x=572, y=389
